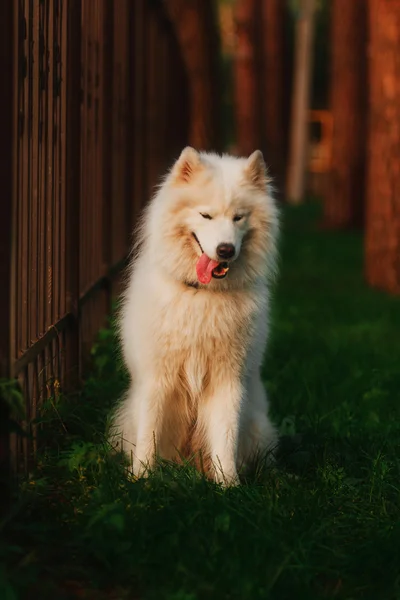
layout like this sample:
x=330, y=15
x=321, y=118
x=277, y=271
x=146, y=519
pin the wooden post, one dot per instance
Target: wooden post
x=300, y=101
x=7, y=170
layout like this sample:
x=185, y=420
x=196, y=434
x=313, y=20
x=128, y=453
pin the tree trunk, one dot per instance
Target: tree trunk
x=382, y=241
x=248, y=133
x=344, y=199
x=273, y=52
x=301, y=102
x=196, y=28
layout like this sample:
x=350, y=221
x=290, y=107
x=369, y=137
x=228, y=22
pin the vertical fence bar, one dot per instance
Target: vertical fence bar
x=7, y=167
x=120, y=72
x=106, y=125
x=72, y=51
x=152, y=99
x=139, y=101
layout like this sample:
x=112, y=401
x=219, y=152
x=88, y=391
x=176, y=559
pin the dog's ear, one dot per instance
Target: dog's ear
x=188, y=164
x=256, y=170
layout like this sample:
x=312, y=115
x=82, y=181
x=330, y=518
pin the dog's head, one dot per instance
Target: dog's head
x=213, y=221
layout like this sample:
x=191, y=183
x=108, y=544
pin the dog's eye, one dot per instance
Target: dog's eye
x=238, y=218
x=205, y=216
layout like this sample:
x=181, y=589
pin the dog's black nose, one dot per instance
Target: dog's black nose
x=225, y=251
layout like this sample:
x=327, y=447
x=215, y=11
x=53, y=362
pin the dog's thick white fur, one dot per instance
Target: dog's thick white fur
x=194, y=349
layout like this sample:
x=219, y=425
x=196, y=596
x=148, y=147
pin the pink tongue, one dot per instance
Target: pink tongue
x=204, y=268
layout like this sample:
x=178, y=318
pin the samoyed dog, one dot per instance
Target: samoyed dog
x=194, y=318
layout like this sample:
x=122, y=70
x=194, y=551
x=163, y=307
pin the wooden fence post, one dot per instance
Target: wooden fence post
x=7, y=166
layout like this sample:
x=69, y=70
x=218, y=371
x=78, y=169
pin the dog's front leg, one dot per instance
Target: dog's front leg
x=151, y=403
x=220, y=416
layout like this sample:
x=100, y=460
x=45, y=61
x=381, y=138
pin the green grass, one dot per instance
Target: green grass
x=325, y=523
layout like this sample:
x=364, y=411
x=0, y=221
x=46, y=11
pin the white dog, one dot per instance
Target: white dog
x=195, y=314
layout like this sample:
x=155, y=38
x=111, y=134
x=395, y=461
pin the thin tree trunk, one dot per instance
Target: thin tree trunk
x=298, y=150
x=273, y=46
x=248, y=134
x=344, y=199
x=382, y=240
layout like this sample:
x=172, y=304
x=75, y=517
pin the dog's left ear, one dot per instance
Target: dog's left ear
x=256, y=170
x=188, y=164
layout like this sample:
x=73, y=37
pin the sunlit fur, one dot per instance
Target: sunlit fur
x=194, y=353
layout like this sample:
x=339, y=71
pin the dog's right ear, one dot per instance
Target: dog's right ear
x=188, y=164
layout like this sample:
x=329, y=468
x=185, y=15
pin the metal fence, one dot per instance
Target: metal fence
x=94, y=107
